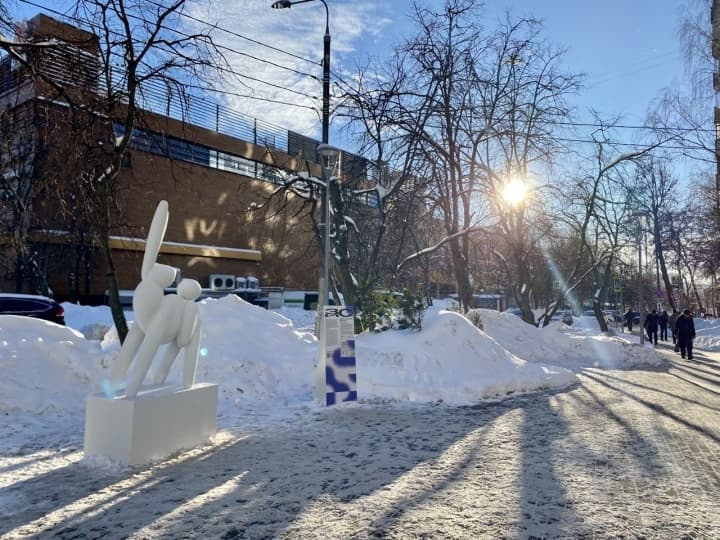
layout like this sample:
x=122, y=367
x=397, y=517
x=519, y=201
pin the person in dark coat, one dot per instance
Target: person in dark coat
x=673, y=322
x=651, y=326
x=629, y=319
x=685, y=330
x=663, y=322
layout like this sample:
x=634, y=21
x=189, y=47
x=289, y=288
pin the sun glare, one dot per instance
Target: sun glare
x=514, y=192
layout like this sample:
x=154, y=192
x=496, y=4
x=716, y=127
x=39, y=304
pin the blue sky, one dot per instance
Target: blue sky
x=629, y=49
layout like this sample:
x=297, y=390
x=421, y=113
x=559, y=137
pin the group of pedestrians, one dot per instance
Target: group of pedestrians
x=681, y=326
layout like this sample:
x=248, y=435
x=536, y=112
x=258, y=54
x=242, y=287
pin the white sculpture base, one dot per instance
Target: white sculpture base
x=158, y=422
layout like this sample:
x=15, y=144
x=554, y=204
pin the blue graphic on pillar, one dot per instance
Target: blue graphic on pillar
x=340, y=374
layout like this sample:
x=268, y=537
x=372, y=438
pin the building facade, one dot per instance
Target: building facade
x=218, y=180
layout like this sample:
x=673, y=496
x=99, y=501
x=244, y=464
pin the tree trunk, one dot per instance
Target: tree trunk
x=603, y=284
x=695, y=291
x=113, y=290
x=339, y=258
x=462, y=280
x=665, y=275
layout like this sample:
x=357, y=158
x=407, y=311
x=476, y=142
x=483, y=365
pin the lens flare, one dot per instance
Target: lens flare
x=514, y=192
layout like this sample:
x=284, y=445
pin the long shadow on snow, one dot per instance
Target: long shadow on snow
x=258, y=486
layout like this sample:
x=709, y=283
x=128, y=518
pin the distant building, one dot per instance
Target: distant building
x=209, y=162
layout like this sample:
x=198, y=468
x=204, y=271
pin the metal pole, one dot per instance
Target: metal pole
x=326, y=80
x=640, y=285
x=325, y=279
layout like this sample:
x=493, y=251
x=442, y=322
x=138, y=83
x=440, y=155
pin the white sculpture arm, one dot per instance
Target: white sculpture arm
x=191, y=359
x=162, y=329
x=127, y=352
x=156, y=233
x=162, y=370
x=188, y=325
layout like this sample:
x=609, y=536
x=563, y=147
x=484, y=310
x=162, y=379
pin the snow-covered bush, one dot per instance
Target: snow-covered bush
x=383, y=310
x=474, y=317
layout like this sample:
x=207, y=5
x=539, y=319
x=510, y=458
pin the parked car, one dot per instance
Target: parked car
x=514, y=311
x=30, y=305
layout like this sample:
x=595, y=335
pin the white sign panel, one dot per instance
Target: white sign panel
x=337, y=378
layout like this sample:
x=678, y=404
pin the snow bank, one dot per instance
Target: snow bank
x=450, y=360
x=255, y=354
x=45, y=367
x=92, y=321
x=562, y=345
x=707, y=334
x=263, y=362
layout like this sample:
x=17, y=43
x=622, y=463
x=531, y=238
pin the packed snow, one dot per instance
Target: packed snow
x=263, y=363
x=707, y=334
x=264, y=360
x=574, y=347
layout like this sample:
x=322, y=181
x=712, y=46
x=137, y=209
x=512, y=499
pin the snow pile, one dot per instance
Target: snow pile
x=254, y=354
x=450, y=360
x=707, y=334
x=92, y=321
x=566, y=346
x=264, y=362
x=45, y=367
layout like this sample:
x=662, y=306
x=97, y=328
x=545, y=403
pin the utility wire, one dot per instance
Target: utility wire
x=337, y=76
x=96, y=27
x=236, y=94
x=340, y=80
x=241, y=36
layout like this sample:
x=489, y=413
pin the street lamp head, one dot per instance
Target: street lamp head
x=281, y=4
x=329, y=157
x=327, y=151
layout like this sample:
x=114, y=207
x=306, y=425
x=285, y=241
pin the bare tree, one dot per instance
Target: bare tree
x=592, y=204
x=17, y=188
x=468, y=107
x=136, y=44
x=654, y=192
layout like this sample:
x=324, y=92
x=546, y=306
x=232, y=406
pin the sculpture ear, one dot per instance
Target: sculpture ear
x=156, y=233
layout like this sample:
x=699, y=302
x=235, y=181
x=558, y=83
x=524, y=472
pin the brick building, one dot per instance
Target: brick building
x=210, y=171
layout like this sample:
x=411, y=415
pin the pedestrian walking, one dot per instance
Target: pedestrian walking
x=629, y=319
x=663, y=323
x=685, y=329
x=651, y=327
x=673, y=321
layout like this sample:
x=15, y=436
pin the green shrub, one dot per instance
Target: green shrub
x=412, y=308
x=383, y=310
x=473, y=316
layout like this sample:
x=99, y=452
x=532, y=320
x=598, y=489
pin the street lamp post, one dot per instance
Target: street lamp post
x=328, y=158
x=639, y=216
x=640, y=286
x=284, y=4
x=326, y=152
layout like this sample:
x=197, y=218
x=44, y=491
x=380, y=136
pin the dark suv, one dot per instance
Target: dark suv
x=30, y=305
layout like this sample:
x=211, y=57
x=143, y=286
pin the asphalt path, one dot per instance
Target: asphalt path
x=623, y=454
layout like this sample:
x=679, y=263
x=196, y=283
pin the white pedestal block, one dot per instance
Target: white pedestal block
x=153, y=425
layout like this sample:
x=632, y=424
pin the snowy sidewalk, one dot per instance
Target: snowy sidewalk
x=625, y=453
